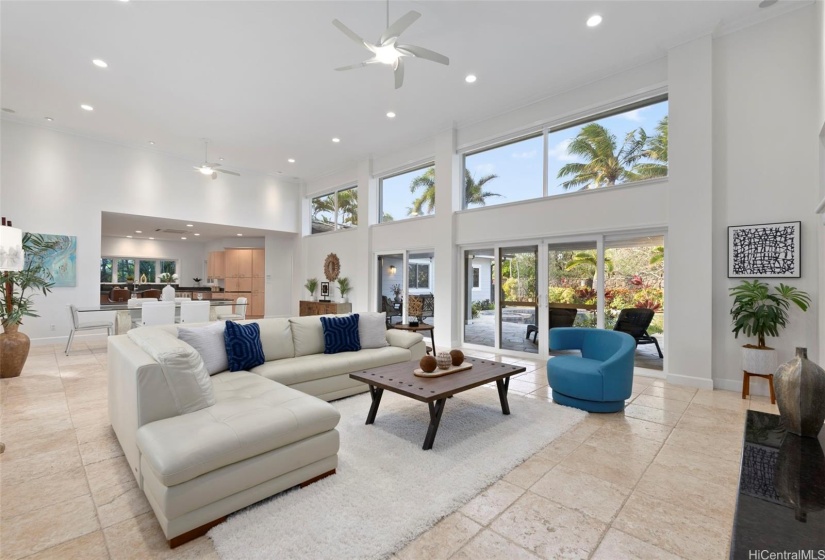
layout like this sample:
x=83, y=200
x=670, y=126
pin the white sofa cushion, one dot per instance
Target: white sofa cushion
x=251, y=416
x=372, y=330
x=403, y=339
x=307, y=335
x=208, y=341
x=321, y=366
x=182, y=366
x=276, y=338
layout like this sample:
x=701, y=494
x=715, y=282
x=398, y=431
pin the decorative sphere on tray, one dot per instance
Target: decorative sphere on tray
x=457, y=357
x=428, y=364
x=444, y=360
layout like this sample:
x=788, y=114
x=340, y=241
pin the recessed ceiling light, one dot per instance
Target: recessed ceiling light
x=197, y=234
x=151, y=142
x=470, y=79
x=138, y=231
x=391, y=115
x=291, y=160
x=767, y=3
x=594, y=20
x=7, y=110
x=183, y=238
x=129, y=236
x=48, y=119
x=190, y=225
x=240, y=235
x=152, y=238
x=100, y=63
x=336, y=140
x=87, y=107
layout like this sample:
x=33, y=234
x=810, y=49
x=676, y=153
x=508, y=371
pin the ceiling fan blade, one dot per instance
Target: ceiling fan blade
x=213, y=165
x=421, y=52
x=228, y=172
x=399, y=73
x=359, y=65
x=394, y=30
x=349, y=32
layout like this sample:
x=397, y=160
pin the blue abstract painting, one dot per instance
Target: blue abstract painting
x=61, y=261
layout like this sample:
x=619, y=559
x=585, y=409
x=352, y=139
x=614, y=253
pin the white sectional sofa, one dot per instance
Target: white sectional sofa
x=202, y=447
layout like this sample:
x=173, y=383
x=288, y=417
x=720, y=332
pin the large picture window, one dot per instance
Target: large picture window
x=334, y=211
x=621, y=147
x=407, y=194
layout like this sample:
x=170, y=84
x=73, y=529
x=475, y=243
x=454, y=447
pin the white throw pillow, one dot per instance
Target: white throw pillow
x=209, y=343
x=372, y=330
x=182, y=366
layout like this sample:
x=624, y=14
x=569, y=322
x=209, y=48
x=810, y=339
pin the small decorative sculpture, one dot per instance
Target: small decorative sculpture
x=332, y=267
x=457, y=357
x=428, y=364
x=444, y=360
x=800, y=395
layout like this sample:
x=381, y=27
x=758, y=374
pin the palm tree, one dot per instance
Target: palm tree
x=586, y=260
x=657, y=254
x=474, y=192
x=656, y=151
x=348, y=207
x=604, y=166
x=322, y=204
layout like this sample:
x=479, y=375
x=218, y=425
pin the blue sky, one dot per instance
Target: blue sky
x=519, y=166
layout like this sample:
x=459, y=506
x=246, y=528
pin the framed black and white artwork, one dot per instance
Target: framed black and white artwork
x=764, y=251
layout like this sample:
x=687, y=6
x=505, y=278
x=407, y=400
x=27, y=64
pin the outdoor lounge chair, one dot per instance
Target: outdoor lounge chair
x=559, y=317
x=389, y=309
x=635, y=321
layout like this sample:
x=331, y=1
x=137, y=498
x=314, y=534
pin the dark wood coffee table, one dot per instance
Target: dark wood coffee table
x=434, y=391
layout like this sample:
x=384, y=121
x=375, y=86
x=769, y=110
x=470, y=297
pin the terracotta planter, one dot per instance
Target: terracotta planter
x=800, y=395
x=14, y=349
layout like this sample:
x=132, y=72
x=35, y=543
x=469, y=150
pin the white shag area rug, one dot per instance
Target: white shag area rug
x=387, y=489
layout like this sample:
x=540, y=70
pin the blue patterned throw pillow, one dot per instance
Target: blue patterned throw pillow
x=341, y=334
x=243, y=346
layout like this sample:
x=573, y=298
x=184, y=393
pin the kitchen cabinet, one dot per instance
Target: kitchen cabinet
x=216, y=265
x=245, y=275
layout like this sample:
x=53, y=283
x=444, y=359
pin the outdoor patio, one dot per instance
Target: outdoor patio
x=481, y=331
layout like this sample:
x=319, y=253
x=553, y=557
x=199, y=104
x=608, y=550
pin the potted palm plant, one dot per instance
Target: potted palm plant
x=759, y=311
x=344, y=288
x=16, y=302
x=311, y=286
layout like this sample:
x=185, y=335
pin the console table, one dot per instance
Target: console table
x=781, y=502
x=306, y=308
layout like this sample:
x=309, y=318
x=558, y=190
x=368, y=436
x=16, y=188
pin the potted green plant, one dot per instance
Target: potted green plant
x=759, y=311
x=344, y=288
x=16, y=302
x=311, y=286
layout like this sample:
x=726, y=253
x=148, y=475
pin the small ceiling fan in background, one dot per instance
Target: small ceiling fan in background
x=387, y=50
x=211, y=169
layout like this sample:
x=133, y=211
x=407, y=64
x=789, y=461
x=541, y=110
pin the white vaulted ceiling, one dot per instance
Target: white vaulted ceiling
x=257, y=77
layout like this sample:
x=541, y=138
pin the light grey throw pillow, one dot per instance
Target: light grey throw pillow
x=372, y=330
x=209, y=343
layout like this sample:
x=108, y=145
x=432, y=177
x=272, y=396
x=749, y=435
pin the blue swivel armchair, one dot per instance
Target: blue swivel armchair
x=598, y=381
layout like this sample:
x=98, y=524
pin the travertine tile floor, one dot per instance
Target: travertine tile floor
x=658, y=481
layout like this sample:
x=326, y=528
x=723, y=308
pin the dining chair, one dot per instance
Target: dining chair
x=157, y=313
x=238, y=315
x=152, y=293
x=194, y=312
x=119, y=294
x=78, y=326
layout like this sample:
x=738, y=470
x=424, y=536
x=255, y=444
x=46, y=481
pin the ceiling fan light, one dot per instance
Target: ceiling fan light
x=205, y=169
x=387, y=55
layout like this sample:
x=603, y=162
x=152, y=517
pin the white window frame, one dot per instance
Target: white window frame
x=337, y=226
x=138, y=260
x=421, y=166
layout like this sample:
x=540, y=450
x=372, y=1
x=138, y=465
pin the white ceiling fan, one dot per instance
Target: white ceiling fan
x=211, y=169
x=387, y=50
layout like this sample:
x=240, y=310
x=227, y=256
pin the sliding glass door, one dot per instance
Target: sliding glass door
x=480, y=275
x=518, y=298
x=391, y=280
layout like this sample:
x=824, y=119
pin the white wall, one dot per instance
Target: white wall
x=191, y=256
x=740, y=107
x=53, y=182
x=765, y=94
